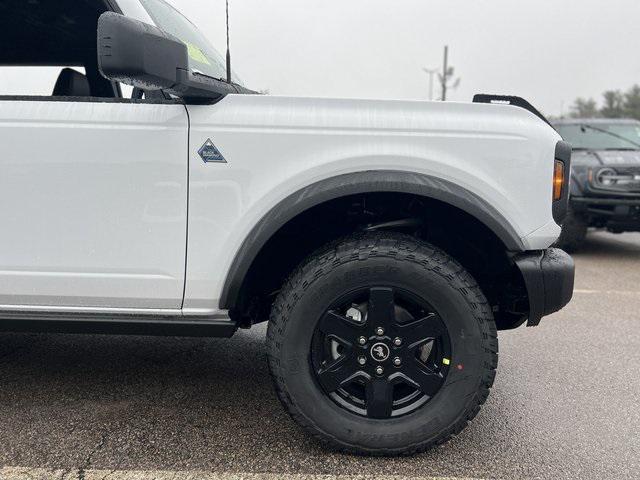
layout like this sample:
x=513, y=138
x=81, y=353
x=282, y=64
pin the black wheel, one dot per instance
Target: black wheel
x=574, y=232
x=382, y=344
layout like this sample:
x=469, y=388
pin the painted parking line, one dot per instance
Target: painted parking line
x=607, y=292
x=21, y=473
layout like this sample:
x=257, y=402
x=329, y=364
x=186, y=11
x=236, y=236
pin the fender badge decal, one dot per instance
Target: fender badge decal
x=210, y=154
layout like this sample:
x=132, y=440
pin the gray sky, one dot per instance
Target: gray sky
x=549, y=51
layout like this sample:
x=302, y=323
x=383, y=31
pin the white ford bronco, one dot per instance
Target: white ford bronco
x=384, y=242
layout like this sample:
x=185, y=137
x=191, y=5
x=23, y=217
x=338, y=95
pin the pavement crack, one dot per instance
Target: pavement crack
x=87, y=461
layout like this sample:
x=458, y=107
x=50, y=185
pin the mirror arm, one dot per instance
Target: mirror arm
x=197, y=88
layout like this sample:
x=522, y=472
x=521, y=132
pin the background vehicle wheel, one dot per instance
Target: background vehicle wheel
x=574, y=232
x=382, y=344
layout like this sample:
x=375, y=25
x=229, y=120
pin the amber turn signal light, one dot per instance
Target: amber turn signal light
x=558, y=180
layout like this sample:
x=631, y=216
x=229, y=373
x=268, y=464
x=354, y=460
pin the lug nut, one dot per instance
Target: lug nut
x=397, y=341
x=362, y=340
x=379, y=331
x=362, y=360
x=397, y=361
x=379, y=370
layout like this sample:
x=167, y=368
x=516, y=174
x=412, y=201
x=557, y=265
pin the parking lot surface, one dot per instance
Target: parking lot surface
x=564, y=405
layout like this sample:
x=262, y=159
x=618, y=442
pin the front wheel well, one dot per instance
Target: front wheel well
x=453, y=230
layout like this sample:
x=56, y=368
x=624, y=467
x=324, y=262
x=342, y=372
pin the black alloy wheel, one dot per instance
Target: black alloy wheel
x=381, y=352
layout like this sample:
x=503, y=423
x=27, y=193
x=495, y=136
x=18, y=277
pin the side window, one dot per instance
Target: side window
x=34, y=81
x=51, y=49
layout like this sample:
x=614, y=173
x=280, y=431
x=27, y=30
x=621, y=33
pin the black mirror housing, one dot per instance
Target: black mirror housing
x=144, y=56
x=138, y=54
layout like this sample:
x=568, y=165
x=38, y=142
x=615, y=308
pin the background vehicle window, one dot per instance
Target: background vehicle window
x=621, y=136
x=203, y=57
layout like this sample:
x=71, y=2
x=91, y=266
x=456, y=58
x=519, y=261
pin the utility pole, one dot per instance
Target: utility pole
x=431, y=72
x=445, y=73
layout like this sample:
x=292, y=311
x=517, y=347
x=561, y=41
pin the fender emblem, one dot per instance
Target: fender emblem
x=210, y=154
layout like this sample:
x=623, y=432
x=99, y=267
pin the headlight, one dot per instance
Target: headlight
x=607, y=177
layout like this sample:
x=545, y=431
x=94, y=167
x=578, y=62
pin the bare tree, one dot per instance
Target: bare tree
x=584, y=108
x=616, y=104
x=632, y=102
x=613, y=104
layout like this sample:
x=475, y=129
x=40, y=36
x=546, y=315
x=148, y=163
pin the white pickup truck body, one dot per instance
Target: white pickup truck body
x=385, y=241
x=124, y=213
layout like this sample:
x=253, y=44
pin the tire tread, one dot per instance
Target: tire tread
x=402, y=248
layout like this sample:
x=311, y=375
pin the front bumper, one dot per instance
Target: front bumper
x=548, y=276
x=614, y=213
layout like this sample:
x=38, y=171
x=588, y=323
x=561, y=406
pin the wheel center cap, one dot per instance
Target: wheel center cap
x=380, y=352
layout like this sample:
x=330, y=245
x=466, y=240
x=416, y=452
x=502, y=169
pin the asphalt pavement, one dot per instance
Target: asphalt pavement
x=565, y=403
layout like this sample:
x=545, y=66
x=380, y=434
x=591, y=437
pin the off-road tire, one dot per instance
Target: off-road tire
x=574, y=233
x=373, y=259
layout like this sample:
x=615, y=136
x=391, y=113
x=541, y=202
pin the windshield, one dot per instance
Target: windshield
x=602, y=136
x=203, y=57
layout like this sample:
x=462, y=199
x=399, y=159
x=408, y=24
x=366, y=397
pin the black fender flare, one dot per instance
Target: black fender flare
x=357, y=183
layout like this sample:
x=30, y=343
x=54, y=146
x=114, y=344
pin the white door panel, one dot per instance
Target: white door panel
x=93, y=200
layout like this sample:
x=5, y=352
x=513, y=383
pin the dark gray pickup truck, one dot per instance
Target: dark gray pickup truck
x=605, y=178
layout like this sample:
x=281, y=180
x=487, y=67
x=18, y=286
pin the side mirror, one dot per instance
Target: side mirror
x=138, y=54
x=144, y=56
